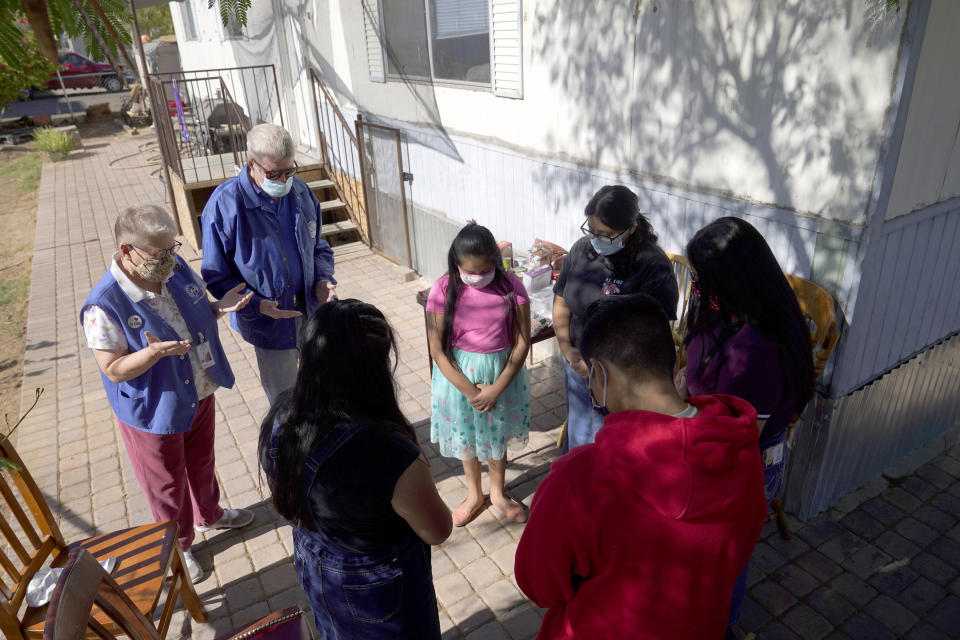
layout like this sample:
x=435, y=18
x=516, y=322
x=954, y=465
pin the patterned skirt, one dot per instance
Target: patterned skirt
x=464, y=433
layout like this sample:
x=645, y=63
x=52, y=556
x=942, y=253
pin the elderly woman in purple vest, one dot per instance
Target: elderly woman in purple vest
x=153, y=332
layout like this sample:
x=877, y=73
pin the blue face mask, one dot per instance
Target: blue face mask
x=606, y=246
x=275, y=188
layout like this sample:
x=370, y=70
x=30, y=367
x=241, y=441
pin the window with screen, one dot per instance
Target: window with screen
x=460, y=40
x=455, y=47
x=232, y=29
x=405, y=33
x=189, y=21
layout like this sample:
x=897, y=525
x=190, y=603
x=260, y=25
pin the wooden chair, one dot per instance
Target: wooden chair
x=82, y=585
x=146, y=557
x=683, y=272
x=820, y=313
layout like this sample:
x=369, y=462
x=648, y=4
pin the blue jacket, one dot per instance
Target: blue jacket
x=163, y=399
x=243, y=243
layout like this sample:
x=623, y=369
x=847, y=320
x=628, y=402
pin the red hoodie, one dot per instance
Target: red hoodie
x=642, y=534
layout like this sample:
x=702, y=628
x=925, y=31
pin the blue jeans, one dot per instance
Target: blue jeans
x=362, y=596
x=772, y=485
x=366, y=597
x=583, y=421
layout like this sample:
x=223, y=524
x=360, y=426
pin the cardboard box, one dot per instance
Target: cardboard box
x=537, y=278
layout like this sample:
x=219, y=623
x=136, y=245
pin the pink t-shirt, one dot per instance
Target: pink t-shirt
x=483, y=322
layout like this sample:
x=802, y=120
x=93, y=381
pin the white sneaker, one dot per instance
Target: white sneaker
x=231, y=519
x=194, y=570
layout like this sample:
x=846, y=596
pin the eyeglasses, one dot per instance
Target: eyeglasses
x=585, y=229
x=285, y=174
x=157, y=254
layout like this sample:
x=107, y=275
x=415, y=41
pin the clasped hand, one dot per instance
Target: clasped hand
x=485, y=399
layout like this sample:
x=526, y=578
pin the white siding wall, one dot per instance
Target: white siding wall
x=928, y=169
x=742, y=97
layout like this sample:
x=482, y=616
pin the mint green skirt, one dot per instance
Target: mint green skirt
x=464, y=433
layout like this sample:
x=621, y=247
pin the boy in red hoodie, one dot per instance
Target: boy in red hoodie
x=642, y=533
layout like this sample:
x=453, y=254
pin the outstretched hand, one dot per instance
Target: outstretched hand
x=164, y=348
x=269, y=308
x=233, y=301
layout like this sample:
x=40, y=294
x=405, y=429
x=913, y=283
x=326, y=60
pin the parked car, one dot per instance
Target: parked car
x=79, y=72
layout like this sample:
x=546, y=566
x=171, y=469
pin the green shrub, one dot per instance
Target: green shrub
x=57, y=144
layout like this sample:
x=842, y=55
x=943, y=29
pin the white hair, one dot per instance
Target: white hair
x=269, y=141
x=142, y=222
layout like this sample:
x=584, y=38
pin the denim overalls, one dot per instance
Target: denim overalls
x=388, y=594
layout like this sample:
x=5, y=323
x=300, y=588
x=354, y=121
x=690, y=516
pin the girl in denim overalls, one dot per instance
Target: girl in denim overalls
x=747, y=338
x=344, y=468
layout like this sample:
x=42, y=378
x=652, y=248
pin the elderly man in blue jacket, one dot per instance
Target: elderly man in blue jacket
x=263, y=229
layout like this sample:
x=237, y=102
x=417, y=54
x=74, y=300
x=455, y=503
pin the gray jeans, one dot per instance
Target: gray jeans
x=278, y=368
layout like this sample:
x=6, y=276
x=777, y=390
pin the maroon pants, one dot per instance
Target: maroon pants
x=176, y=472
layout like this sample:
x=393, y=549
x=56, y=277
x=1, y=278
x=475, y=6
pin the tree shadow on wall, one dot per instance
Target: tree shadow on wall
x=737, y=102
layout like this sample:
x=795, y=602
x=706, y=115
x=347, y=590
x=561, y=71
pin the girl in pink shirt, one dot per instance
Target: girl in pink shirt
x=478, y=326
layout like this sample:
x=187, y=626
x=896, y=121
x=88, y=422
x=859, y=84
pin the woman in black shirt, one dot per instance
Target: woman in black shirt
x=344, y=468
x=617, y=255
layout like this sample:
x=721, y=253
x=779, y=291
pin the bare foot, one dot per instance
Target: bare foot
x=468, y=510
x=511, y=509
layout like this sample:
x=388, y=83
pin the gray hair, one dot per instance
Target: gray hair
x=143, y=221
x=269, y=141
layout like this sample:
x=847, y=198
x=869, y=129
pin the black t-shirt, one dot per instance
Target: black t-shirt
x=586, y=276
x=350, y=500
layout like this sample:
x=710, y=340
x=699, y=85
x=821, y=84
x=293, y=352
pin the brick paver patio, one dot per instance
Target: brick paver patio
x=883, y=564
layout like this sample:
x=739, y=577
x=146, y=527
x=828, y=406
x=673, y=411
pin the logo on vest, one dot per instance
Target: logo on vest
x=135, y=321
x=312, y=228
x=193, y=290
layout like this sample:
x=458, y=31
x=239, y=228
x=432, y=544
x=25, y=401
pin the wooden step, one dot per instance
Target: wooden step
x=343, y=226
x=317, y=185
x=331, y=205
x=350, y=248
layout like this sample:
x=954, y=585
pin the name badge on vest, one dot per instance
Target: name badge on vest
x=204, y=352
x=134, y=321
x=312, y=228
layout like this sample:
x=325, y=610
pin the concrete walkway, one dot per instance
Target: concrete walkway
x=882, y=567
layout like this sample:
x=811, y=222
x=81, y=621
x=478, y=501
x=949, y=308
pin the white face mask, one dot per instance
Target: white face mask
x=478, y=280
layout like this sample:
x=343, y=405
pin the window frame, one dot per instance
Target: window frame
x=433, y=80
x=188, y=19
x=225, y=34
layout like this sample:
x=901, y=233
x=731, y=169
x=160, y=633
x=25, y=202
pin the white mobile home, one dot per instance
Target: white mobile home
x=831, y=126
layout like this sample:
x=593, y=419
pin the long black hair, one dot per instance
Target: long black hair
x=735, y=267
x=344, y=376
x=473, y=241
x=618, y=207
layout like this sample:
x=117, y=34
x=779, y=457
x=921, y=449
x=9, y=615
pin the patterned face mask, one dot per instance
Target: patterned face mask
x=156, y=269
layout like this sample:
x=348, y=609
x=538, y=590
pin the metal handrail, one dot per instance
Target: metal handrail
x=341, y=155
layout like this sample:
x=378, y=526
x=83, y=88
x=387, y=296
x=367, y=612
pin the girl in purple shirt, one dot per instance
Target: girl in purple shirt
x=747, y=338
x=478, y=327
